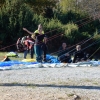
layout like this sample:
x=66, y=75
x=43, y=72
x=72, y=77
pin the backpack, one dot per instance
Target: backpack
x=19, y=45
x=23, y=39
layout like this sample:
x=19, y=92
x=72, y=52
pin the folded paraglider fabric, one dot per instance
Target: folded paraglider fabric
x=11, y=54
x=29, y=60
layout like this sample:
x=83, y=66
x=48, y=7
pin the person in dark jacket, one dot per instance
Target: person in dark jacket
x=79, y=55
x=40, y=46
x=63, y=55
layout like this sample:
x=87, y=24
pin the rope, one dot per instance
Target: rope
x=8, y=46
x=83, y=42
x=94, y=53
x=79, y=26
x=75, y=23
x=52, y=37
x=82, y=19
x=82, y=49
x=54, y=30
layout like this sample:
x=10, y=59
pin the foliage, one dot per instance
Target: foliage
x=92, y=7
x=53, y=29
x=71, y=32
x=14, y=15
x=43, y=7
x=2, y=2
x=68, y=17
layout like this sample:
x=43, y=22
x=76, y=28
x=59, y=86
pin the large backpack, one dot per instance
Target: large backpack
x=23, y=39
x=19, y=45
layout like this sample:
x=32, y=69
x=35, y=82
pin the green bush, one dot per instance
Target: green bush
x=13, y=16
x=71, y=33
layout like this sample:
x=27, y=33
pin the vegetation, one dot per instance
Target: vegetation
x=75, y=19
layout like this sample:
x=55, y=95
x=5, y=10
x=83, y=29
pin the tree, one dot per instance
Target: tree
x=14, y=15
x=2, y=2
x=68, y=5
x=92, y=7
x=43, y=7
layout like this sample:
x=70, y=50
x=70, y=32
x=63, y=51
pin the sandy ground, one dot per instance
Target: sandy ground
x=79, y=83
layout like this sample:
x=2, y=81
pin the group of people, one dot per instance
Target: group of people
x=78, y=55
x=37, y=44
x=34, y=44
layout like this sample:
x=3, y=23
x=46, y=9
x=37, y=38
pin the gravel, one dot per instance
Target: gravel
x=68, y=83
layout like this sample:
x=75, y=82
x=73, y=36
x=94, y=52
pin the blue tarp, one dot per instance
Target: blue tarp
x=10, y=63
x=52, y=59
x=49, y=58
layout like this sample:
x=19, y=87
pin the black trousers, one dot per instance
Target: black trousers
x=44, y=48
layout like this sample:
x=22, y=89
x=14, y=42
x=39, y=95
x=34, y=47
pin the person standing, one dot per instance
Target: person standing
x=36, y=31
x=40, y=43
x=40, y=46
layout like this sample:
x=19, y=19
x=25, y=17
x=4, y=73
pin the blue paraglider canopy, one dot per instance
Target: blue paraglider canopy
x=9, y=64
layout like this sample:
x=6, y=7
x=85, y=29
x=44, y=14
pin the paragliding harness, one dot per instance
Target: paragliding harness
x=24, y=44
x=28, y=44
x=19, y=46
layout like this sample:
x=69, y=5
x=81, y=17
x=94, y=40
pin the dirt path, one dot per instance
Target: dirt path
x=80, y=83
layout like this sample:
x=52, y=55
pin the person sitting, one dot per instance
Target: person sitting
x=79, y=55
x=63, y=54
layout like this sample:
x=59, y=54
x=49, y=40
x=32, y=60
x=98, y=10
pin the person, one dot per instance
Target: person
x=39, y=28
x=40, y=46
x=79, y=55
x=19, y=45
x=36, y=31
x=40, y=43
x=23, y=39
x=28, y=45
x=44, y=48
x=63, y=55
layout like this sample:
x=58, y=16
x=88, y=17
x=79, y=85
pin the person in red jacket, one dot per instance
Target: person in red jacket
x=28, y=45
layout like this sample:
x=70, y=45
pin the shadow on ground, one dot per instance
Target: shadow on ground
x=50, y=85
